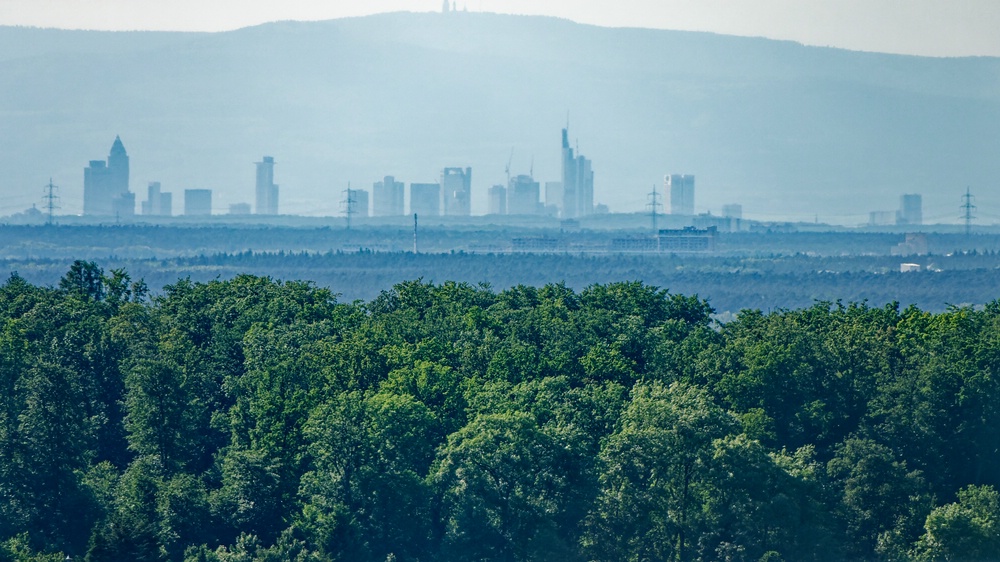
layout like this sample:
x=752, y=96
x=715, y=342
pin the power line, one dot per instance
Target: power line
x=653, y=204
x=50, y=200
x=348, y=204
x=968, y=207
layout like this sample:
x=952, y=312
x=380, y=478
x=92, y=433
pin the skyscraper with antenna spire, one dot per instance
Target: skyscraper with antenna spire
x=577, y=182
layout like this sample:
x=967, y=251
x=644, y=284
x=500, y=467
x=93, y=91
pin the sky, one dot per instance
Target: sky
x=917, y=27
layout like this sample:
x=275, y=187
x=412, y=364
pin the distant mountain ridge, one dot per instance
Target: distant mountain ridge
x=787, y=130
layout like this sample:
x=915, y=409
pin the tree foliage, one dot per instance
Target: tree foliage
x=258, y=420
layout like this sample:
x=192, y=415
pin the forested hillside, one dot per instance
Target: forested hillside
x=258, y=420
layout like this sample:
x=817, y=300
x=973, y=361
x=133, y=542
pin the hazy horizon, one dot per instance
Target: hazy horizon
x=918, y=27
x=789, y=132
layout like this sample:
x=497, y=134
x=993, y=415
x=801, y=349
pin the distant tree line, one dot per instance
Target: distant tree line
x=258, y=420
x=729, y=283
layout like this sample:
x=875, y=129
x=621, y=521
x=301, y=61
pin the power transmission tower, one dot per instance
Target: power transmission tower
x=50, y=200
x=348, y=204
x=968, y=207
x=653, y=204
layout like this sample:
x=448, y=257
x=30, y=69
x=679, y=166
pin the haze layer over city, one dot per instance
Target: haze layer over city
x=789, y=132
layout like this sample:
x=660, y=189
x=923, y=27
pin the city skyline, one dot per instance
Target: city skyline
x=791, y=122
x=522, y=195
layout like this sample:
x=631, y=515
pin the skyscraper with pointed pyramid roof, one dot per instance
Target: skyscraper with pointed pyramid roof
x=105, y=185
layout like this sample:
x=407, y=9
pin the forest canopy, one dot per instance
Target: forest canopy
x=253, y=419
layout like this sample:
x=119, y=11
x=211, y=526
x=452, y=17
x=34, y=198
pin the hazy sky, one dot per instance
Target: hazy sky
x=925, y=27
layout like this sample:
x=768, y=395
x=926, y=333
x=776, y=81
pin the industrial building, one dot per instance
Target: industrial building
x=688, y=239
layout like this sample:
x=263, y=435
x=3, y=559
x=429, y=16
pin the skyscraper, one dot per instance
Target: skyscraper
x=425, y=199
x=911, y=211
x=577, y=182
x=267, y=191
x=732, y=211
x=197, y=202
x=360, y=207
x=157, y=203
x=456, y=187
x=498, y=200
x=387, y=198
x=123, y=205
x=681, y=190
x=554, y=194
x=522, y=196
x=103, y=182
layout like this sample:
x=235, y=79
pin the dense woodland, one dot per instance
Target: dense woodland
x=257, y=420
x=729, y=283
